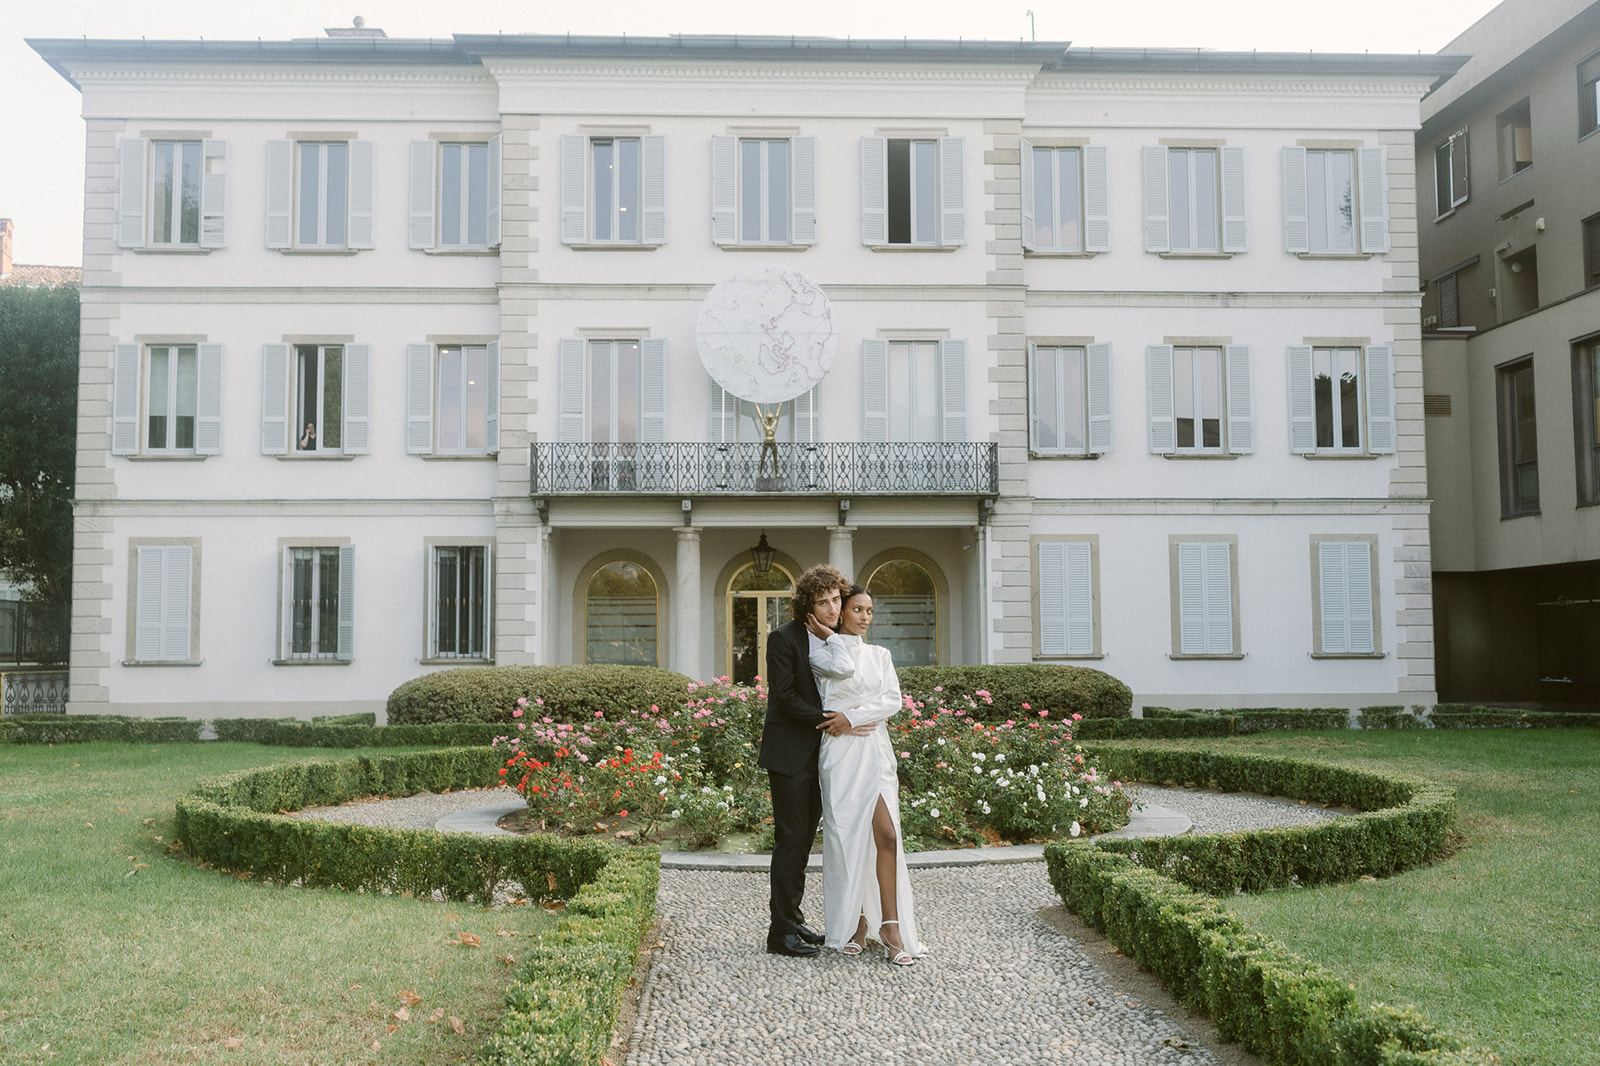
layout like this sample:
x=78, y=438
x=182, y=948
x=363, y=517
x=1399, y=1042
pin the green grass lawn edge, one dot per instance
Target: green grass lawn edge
x=563, y=1002
x=1149, y=897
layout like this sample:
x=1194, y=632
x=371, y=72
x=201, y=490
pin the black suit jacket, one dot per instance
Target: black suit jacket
x=790, y=739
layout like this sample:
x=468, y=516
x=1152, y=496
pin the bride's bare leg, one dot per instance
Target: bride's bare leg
x=887, y=840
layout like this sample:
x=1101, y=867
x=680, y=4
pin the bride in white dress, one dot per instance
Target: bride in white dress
x=867, y=890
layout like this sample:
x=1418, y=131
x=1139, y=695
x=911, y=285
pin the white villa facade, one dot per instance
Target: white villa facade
x=1128, y=362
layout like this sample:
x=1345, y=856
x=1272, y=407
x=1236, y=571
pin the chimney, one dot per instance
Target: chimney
x=358, y=28
x=5, y=247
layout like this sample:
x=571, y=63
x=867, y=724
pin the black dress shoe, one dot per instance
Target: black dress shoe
x=809, y=935
x=790, y=944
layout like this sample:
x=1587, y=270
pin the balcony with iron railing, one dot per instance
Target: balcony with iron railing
x=755, y=469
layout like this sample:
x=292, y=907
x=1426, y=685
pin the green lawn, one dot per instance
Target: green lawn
x=1501, y=941
x=115, y=950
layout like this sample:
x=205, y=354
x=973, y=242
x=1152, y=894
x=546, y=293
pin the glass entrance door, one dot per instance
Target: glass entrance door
x=757, y=604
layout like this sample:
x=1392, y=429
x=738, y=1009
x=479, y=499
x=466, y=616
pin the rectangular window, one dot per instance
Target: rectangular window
x=319, y=386
x=462, y=406
x=176, y=171
x=1589, y=95
x=913, y=390
x=614, y=392
x=1192, y=198
x=1197, y=399
x=1205, y=623
x=1330, y=198
x=1057, y=199
x=1346, y=622
x=1336, y=378
x=1068, y=622
x=322, y=191
x=463, y=195
x=1058, y=400
x=1591, y=251
x=1586, y=410
x=459, y=587
x=764, y=211
x=615, y=174
x=172, y=398
x=1514, y=131
x=164, y=602
x=913, y=175
x=1450, y=173
x=313, y=603
x=1519, y=440
x=1341, y=400
x=1200, y=400
x=613, y=190
x=913, y=191
x=1449, y=301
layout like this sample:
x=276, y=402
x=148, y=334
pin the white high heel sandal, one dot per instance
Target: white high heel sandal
x=897, y=956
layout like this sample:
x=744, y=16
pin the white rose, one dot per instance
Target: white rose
x=934, y=811
x=1076, y=829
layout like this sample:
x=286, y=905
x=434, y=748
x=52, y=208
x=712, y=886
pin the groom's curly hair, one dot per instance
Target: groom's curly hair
x=813, y=585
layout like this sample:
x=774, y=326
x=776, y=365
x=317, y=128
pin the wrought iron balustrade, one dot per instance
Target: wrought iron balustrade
x=33, y=692
x=694, y=469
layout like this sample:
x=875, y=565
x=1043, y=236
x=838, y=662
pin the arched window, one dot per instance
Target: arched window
x=621, y=616
x=904, y=613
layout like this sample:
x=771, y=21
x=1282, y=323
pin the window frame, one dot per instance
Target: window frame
x=765, y=193
x=174, y=356
x=343, y=611
x=1586, y=418
x=1231, y=207
x=175, y=207
x=130, y=392
x=298, y=392
x=136, y=195
x=1445, y=178
x=1209, y=547
x=467, y=189
x=1193, y=200
x=1375, y=395
x=1196, y=399
x=1506, y=124
x=286, y=195
x=949, y=192
x=1587, y=70
x=1056, y=155
x=1591, y=251
x=1328, y=211
x=171, y=551
x=1079, y=625
x=425, y=378
x=579, y=211
x=323, y=216
x=432, y=653
x=1336, y=399
x=1371, y=589
x=1513, y=449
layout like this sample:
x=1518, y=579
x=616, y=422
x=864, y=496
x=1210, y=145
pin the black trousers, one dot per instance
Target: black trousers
x=796, y=812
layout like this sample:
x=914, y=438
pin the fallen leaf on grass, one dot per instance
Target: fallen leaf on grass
x=449, y=917
x=404, y=1014
x=508, y=959
x=501, y=930
x=392, y=1027
x=455, y=1023
x=232, y=1043
x=88, y=825
x=661, y=943
x=409, y=997
x=375, y=1045
x=468, y=940
x=436, y=1016
x=149, y=821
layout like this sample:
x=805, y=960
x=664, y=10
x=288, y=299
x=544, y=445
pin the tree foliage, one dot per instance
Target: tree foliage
x=38, y=437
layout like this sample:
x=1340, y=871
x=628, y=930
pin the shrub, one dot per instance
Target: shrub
x=1459, y=716
x=79, y=729
x=1061, y=690
x=1171, y=712
x=1159, y=728
x=570, y=693
x=1388, y=718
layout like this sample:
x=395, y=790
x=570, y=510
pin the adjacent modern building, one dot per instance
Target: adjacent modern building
x=1510, y=257
x=390, y=362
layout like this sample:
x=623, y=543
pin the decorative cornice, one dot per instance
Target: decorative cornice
x=1234, y=85
x=247, y=76
x=665, y=70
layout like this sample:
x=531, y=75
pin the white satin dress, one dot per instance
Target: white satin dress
x=859, y=679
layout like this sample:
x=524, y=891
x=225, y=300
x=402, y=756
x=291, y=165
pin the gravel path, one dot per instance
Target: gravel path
x=1229, y=812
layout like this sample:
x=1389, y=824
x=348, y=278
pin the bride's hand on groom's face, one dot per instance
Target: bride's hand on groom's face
x=820, y=631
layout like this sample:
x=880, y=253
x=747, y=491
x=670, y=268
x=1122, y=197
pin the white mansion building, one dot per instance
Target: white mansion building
x=389, y=362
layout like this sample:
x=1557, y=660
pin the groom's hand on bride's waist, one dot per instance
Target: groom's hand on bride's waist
x=835, y=724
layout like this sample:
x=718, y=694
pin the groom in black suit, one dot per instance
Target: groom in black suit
x=790, y=742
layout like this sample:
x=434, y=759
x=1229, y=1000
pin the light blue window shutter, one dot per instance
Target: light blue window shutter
x=419, y=399
x=214, y=195
x=874, y=191
x=363, y=192
x=125, y=399
x=1358, y=585
x=1296, y=210
x=1096, y=199
x=724, y=189
x=147, y=615
x=492, y=203
x=1235, y=233
x=491, y=400
x=1163, y=425
x=274, y=399
x=1372, y=172
x=356, y=399
x=1333, y=582
x=1218, y=598
x=1191, y=599
x=723, y=427
x=1097, y=366
x=1241, y=424
x=133, y=153
x=1157, y=230
x=1080, y=598
x=952, y=191
x=653, y=189
x=1035, y=401
x=347, y=601
x=953, y=389
x=574, y=169
x=805, y=416
x=1302, y=401
x=175, y=602
x=1380, y=399
x=874, y=391
x=280, y=193
x=1028, y=222
x=653, y=390
x=570, y=421
x=1052, y=598
x=420, y=195
x=208, y=400
x=803, y=188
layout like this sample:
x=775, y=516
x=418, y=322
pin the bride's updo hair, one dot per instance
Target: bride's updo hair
x=852, y=592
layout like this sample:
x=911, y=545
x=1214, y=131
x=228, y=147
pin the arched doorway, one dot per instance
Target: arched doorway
x=757, y=604
x=905, y=612
x=620, y=616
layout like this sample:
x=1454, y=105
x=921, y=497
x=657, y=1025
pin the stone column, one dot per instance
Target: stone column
x=842, y=550
x=686, y=620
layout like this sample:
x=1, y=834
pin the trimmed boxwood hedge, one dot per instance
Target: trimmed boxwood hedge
x=1062, y=690
x=81, y=728
x=1147, y=728
x=1145, y=896
x=563, y=1004
x=570, y=693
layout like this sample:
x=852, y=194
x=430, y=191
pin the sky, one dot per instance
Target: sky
x=41, y=132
